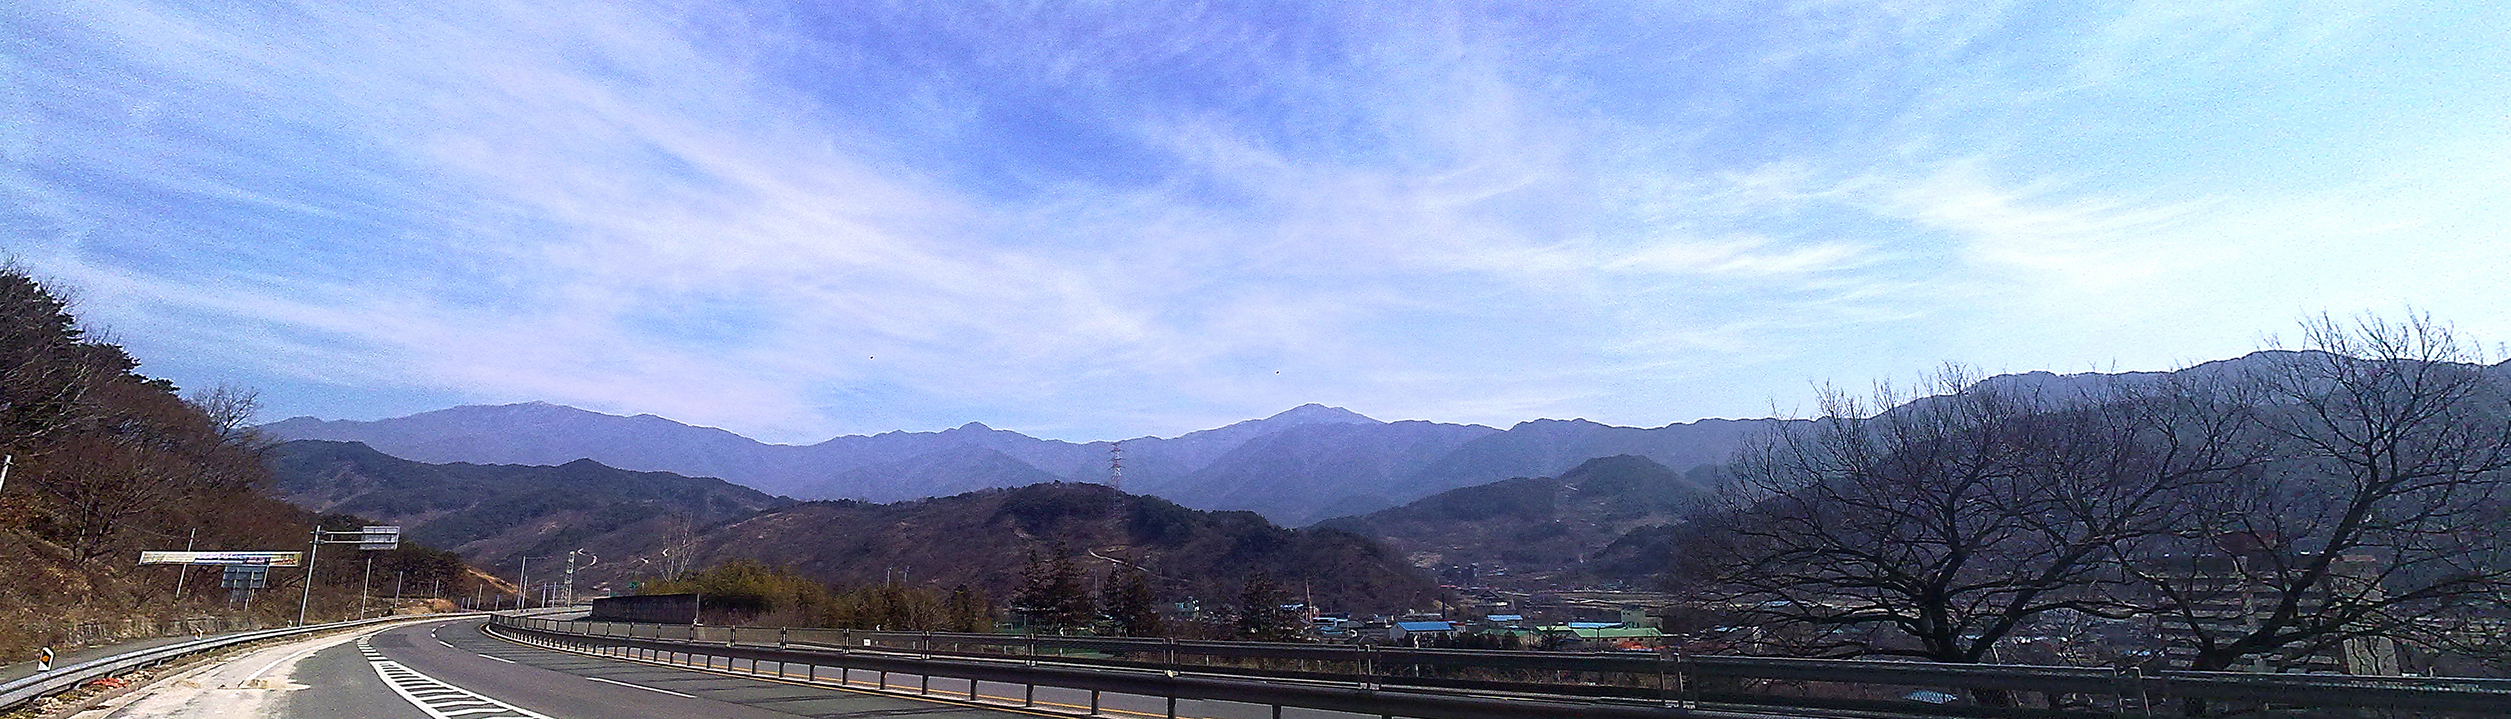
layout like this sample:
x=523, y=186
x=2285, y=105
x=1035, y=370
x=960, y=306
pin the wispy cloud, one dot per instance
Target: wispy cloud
x=1098, y=220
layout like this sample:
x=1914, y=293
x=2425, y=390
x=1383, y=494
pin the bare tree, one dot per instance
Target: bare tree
x=1938, y=527
x=230, y=409
x=2373, y=526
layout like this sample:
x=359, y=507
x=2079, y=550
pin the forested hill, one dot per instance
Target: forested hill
x=105, y=462
x=983, y=538
x=494, y=513
x=1538, y=530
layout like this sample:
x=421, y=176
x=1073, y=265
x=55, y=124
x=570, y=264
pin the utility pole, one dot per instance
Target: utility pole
x=362, y=582
x=523, y=583
x=5, y=462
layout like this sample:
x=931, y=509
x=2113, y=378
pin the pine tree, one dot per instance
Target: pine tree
x=1261, y=616
x=1051, y=592
x=1127, y=597
x=967, y=610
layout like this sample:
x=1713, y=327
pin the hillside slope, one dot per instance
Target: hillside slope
x=983, y=538
x=1535, y=530
x=491, y=514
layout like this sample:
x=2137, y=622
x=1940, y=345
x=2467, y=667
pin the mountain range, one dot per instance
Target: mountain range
x=1298, y=467
x=651, y=525
x=1306, y=464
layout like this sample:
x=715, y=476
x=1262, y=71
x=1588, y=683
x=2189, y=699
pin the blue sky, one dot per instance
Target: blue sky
x=1107, y=219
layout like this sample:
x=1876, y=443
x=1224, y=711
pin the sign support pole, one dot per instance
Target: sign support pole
x=185, y=572
x=308, y=596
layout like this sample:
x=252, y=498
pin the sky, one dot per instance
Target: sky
x=1099, y=220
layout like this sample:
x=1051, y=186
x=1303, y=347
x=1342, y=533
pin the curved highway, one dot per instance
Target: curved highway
x=450, y=670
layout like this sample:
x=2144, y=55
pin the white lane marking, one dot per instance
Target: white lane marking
x=641, y=686
x=447, y=646
x=438, y=699
x=502, y=659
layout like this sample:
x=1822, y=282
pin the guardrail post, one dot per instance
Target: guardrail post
x=1687, y=672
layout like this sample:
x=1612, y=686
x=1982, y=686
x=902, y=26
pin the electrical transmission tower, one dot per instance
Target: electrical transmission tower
x=1116, y=466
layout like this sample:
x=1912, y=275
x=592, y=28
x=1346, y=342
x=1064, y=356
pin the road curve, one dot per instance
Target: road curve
x=450, y=670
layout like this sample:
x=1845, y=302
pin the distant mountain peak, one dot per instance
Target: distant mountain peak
x=973, y=427
x=1313, y=413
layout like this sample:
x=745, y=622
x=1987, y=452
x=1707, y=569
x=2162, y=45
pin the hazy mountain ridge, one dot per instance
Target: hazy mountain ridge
x=1295, y=467
x=645, y=525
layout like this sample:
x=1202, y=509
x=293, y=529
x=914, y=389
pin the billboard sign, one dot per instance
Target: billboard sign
x=271, y=559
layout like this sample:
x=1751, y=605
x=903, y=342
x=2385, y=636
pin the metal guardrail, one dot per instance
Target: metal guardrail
x=18, y=692
x=1172, y=686
x=1660, y=678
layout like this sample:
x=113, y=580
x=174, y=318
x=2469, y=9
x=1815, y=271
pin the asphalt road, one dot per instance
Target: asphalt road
x=451, y=670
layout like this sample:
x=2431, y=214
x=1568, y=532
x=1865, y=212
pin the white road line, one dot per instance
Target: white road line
x=641, y=686
x=447, y=646
x=441, y=700
x=502, y=659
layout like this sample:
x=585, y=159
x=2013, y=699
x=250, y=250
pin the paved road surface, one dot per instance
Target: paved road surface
x=449, y=669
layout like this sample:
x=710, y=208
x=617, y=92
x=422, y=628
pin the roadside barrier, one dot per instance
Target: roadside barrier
x=1465, y=683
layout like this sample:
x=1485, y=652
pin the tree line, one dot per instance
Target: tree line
x=104, y=462
x=1055, y=595
x=2253, y=514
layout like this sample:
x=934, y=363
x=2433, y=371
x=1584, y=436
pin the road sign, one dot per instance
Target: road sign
x=379, y=537
x=271, y=559
x=245, y=576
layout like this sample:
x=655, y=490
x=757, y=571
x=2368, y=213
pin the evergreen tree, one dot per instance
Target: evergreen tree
x=1261, y=615
x=967, y=610
x=1126, y=595
x=1051, y=592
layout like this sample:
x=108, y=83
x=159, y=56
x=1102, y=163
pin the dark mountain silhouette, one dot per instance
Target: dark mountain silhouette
x=983, y=538
x=492, y=513
x=1537, y=529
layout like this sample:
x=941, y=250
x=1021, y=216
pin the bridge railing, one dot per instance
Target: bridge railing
x=1658, y=678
